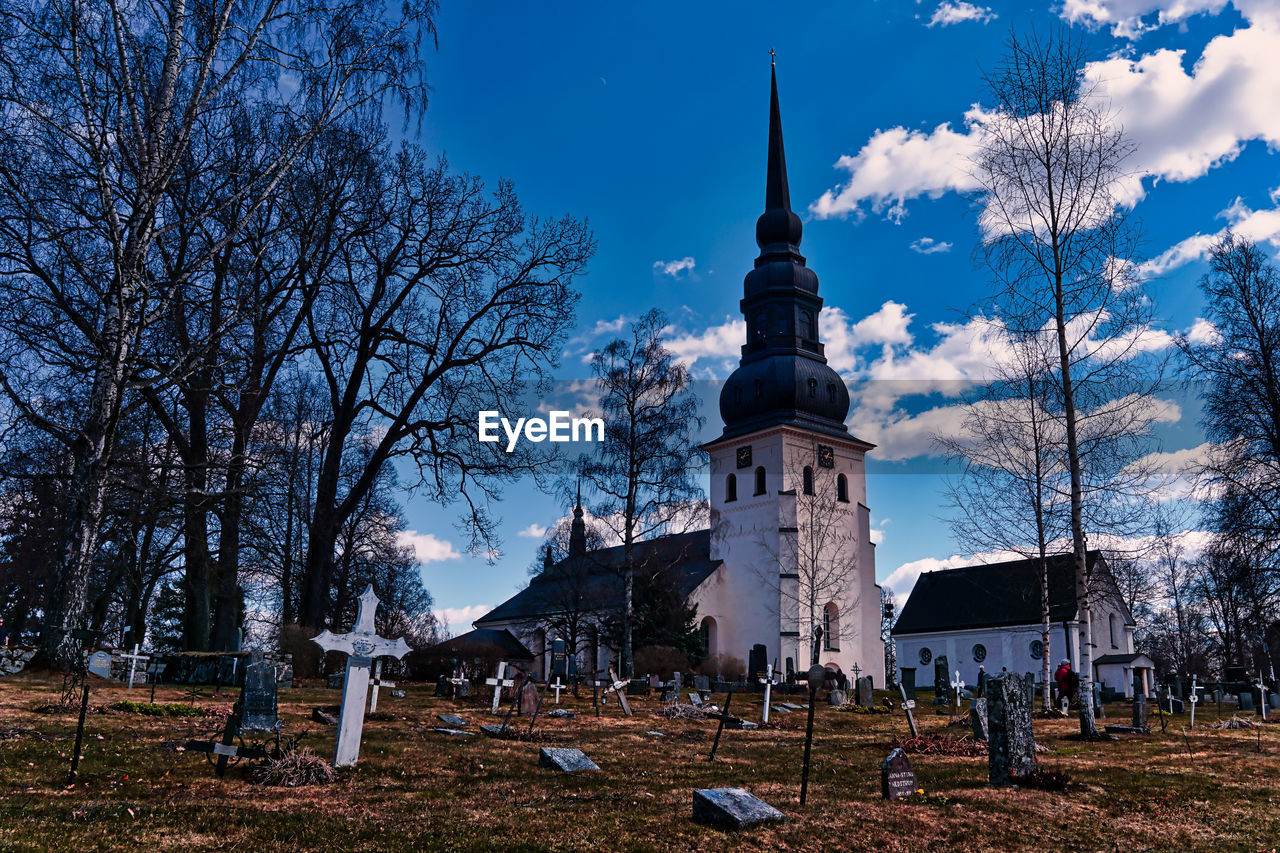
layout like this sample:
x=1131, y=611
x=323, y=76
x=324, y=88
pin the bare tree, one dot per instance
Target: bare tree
x=443, y=301
x=101, y=105
x=644, y=470
x=1056, y=238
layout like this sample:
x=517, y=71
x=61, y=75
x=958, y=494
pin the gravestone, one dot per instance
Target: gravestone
x=259, y=698
x=561, y=714
x=452, y=720
x=100, y=664
x=908, y=680
x=1011, y=741
x=398, y=694
x=559, y=659
x=565, y=759
x=864, y=686
x=897, y=779
x=452, y=732
x=837, y=698
x=335, y=680
x=461, y=688
x=702, y=684
x=1246, y=701
x=732, y=808
x=757, y=660
x=528, y=699
x=1099, y=710
x=1273, y=701
x=1029, y=685
x=941, y=678
x=1139, y=711
x=978, y=717
x=695, y=700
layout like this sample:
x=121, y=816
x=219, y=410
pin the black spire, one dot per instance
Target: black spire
x=784, y=376
x=578, y=529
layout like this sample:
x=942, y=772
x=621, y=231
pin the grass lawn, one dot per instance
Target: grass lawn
x=416, y=789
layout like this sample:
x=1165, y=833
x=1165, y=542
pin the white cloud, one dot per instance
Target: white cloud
x=533, y=531
x=959, y=12
x=459, y=619
x=1203, y=332
x=721, y=344
x=1258, y=226
x=427, y=547
x=929, y=246
x=674, y=268
x=1184, y=120
x=1131, y=18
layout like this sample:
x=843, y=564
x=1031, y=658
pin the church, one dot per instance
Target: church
x=787, y=562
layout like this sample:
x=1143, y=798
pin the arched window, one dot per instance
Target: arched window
x=760, y=483
x=707, y=630
x=808, y=329
x=758, y=386
x=731, y=488
x=813, y=387
x=808, y=480
x=760, y=326
x=737, y=394
x=842, y=489
x=831, y=392
x=831, y=627
x=1114, y=621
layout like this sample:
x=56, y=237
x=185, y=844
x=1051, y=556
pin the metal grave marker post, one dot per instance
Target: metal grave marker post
x=723, y=716
x=134, y=659
x=1193, y=699
x=767, y=681
x=361, y=646
x=497, y=683
x=907, y=705
x=1262, y=698
x=376, y=683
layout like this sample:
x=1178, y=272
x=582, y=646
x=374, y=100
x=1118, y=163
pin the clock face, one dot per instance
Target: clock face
x=744, y=457
x=826, y=456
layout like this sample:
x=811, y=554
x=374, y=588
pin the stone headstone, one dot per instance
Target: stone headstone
x=732, y=808
x=1273, y=701
x=897, y=779
x=100, y=664
x=493, y=730
x=837, y=698
x=941, y=680
x=13, y=659
x=739, y=724
x=757, y=662
x=1011, y=753
x=528, y=699
x=565, y=759
x=978, y=718
x=1139, y=711
x=335, y=680
x=1246, y=701
x=864, y=686
x=702, y=684
x=258, y=713
x=462, y=689
x=638, y=687
x=398, y=694
x=452, y=720
x=1029, y=685
x=695, y=700
x=444, y=688
x=1099, y=710
x=327, y=715
x=559, y=660
x=1178, y=706
x=908, y=681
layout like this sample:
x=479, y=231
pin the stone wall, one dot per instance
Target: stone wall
x=14, y=658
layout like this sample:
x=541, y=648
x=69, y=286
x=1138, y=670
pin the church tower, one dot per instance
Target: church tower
x=788, y=486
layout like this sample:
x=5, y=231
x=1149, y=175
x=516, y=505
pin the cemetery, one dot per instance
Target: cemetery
x=428, y=778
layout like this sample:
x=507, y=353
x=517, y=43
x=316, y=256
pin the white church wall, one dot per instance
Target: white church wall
x=1008, y=648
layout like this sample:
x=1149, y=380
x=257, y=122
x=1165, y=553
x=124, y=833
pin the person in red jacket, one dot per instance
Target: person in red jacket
x=1063, y=677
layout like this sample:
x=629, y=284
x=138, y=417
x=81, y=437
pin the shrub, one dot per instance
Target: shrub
x=294, y=770
x=156, y=709
x=661, y=661
x=726, y=666
x=307, y=656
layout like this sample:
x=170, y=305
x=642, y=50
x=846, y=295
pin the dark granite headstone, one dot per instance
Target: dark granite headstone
x=757, y=662
x=444, y=688
x=637, y=687
x=837, y=698
x=258, y=712
x=1011, y=745
x=565, y=759
x=702, y=684
x=462, y=689
x=733, y=808
x=864, y=687
x=978, y=717
x=1099, y=710
x=941, y=680
x=335, y=680
x=1174, y=703
x=1029, y=685
x=897, y=779
x=528, y=699
x=791, y=670
x=559, y=660
x=1246, y=701
x=908, y=681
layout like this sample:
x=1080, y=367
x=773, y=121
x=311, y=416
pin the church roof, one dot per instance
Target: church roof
x=483, y=640
x=595, y=579
x=990, y=595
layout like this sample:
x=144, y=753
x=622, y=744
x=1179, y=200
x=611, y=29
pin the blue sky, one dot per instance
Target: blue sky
x=651, y=121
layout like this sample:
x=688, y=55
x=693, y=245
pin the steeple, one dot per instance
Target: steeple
x=783, y=376
x=578, y=529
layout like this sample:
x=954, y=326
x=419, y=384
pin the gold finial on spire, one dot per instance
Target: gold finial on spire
x=773, y=58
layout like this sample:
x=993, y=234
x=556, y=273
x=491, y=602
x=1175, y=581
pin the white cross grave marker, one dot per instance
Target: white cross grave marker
x=134, y=659
x=1193, y=699
x=497, y=683
x=376, y=683
x=1262, y=696
x=619, y=688
x=557, y=687
x=361, y=646
x=957, y=685
x=767, y=681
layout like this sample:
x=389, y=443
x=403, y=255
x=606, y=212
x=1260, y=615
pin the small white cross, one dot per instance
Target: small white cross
x=957, y=685
x=1262, y=696
x=497, y=683
x=557, y=687
x=767, y=681
x=377, y=682
x=134, y=659
x=1193, y=699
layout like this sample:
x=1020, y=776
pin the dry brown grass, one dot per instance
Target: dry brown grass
x=420, y=790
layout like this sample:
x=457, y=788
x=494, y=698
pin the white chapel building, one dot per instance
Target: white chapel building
x=787, y=562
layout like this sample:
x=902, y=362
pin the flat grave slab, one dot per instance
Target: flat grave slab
x=733, y=808
x=452, y=732
x=561, y=714
x=451, y=720
x=565, y=759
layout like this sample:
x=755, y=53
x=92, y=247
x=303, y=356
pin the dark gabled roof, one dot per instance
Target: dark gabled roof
x=596, y=579
x=991, y=595
x=1119, y=658
x=483, y=640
